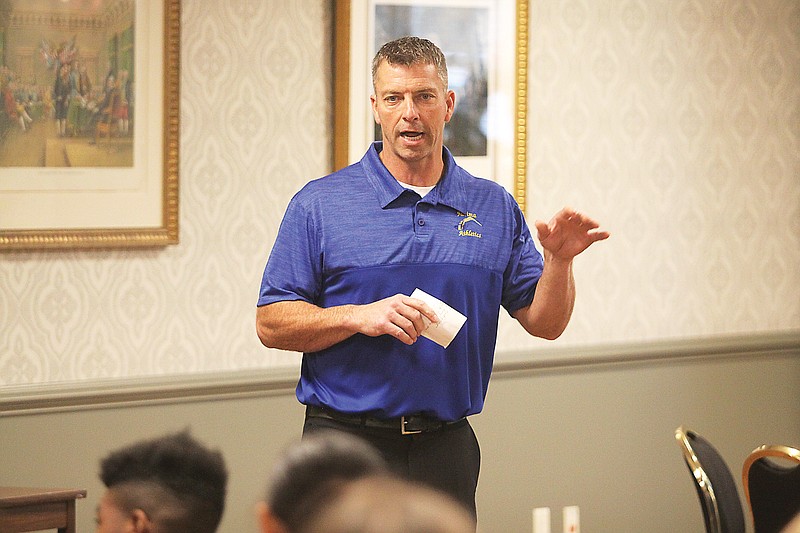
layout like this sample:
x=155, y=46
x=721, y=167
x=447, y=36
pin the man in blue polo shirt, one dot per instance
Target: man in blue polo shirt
x=354, y=245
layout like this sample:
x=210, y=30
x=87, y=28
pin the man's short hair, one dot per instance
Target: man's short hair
x=408, y=51
x=179, y=483
x=310, y=471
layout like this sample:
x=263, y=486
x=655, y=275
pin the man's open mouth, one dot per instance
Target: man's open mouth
x=411, y=135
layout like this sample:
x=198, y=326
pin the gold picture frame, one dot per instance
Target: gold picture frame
x=133, y=205
x=353, y=30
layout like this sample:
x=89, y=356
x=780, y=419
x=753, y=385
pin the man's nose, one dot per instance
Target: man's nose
x=409, y=110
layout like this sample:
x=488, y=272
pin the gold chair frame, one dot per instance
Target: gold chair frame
x=775, y=450
x=701, y=478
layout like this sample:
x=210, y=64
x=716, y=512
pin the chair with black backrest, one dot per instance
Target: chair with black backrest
x=771, y=479
x=714, y=483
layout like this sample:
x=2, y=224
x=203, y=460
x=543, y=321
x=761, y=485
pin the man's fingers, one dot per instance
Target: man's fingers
x=422, y=309
x=542, y=228
x=402, y=335
x=402, y=317
x=406, y=328
x=599, y=235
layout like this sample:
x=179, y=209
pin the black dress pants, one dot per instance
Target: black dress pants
x=447, y=459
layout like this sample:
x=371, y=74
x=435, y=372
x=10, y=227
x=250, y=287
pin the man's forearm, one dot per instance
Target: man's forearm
x=302, y=327
x=549, y=313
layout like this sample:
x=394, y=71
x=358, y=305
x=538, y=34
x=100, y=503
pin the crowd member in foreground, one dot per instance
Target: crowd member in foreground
x=303, y=478
x=386, y=504
x=170, y=484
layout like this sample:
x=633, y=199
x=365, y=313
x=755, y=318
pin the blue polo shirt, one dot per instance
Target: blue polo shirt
x=357, y=236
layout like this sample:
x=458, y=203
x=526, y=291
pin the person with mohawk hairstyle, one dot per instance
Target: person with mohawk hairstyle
x=169, y=484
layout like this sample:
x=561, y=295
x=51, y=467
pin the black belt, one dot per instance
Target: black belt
x=408, y=425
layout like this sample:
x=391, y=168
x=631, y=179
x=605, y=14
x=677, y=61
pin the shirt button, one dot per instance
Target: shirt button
x=421, y=222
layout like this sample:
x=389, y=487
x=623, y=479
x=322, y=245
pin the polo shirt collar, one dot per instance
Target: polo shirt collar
x=450, y=190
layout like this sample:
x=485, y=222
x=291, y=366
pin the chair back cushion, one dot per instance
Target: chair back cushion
x=728, y=502
x=774, y=494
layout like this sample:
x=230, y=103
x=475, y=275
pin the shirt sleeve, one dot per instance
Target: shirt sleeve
x=524, y=267
x=293, y=270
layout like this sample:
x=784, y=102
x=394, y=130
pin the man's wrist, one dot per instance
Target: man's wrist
x=347, y=318
x=555, y=261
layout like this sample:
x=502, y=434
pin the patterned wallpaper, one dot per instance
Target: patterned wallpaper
x=675, y=123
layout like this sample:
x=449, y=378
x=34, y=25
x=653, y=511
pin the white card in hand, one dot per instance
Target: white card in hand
x=450, y=320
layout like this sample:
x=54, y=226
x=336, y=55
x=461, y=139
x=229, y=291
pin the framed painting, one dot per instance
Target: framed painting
x=485, y=43
x=89, y=128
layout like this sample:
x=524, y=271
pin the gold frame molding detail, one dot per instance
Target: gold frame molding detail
x=344, y=65
x=161, y=157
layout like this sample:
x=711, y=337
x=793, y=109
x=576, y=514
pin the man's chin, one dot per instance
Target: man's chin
x=413, y=155
x=408, y=153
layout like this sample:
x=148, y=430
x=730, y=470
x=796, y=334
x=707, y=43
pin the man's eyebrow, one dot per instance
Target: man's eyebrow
x=428, y=89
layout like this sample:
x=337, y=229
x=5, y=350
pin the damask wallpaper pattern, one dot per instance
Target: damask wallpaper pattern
x=677, y=125
x=674, y=123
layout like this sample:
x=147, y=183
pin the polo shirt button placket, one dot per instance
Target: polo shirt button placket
x=421, y=229
x=421, y=226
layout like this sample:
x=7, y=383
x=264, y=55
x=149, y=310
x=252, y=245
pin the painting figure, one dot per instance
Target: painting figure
x=61, y=92
x=15, y=110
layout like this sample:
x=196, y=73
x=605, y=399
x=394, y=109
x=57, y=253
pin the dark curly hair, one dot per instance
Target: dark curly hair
x=179, y=483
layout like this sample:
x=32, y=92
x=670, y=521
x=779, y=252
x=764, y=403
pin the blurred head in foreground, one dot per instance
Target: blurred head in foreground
x=385, y=504
x=306, y=477
x=170, y=484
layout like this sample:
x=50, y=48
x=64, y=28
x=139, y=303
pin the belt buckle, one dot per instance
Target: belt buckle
x=404, y=431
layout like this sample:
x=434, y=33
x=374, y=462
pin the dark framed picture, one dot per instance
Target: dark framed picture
x=90, y=123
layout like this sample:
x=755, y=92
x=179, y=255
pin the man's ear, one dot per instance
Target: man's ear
x=141, y=522
x=268, y=522
x=450, y=102
x=374, y=106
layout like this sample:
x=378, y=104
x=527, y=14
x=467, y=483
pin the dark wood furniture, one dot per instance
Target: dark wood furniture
x=30, y=509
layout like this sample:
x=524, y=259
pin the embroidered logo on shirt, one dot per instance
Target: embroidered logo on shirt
x=466, y=225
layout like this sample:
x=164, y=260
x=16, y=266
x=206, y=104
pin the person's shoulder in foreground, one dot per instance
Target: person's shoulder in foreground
x=168, y=484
